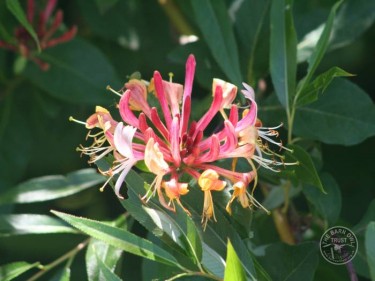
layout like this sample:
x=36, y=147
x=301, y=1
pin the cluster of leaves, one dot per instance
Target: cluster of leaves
x=263, y=42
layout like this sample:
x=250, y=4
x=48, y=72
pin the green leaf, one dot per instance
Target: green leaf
x=276, y=197
x=311, y=92
x=233, y=269
x=305, y=170
x=212, y=261
x=78, y=73
x=291, y=263
x=120, y=239
x=370, y=248
x=213, y=21
x=345, y=115
x=12, y=270
x=283, y=51
x=353, y=19
x=31, y=224
x=62, y=275
x=327, y=205
x=318, y=52
x=15, y=8
x=366, y=219
x=108, y=254
x=252, y=26
x=51, y=187
x=106, y=271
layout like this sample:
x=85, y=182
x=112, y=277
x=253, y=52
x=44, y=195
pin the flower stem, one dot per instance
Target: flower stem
x=213, y=277
x=176, y=17
x=352, y=274
x=67, y=256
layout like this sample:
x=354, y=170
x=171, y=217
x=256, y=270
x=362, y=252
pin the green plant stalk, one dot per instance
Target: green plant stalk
x=202, y=274
x=67, y=256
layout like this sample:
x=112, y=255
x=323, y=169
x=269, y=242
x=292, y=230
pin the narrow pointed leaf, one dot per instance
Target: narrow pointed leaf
x=233, y=269
x=31, y=224
x=12, y=270
x=311, y=92
x=51, y=187
x=15, y=8
x=319, y=51
x=214, y=23
x=119, y=238
x=283, y=61
x=305, y=170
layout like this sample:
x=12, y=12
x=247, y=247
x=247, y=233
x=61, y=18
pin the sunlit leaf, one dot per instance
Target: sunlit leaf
x=213, y=261
x=31, y=224
x=370, y=248
x=214, y=23
x=120, y=239
x=283, y=59
x=51, y=187
x=12, y=270
x=15, y=8
x=233, y=269
x=106, y=271
x=305, y=170
x=345, y=115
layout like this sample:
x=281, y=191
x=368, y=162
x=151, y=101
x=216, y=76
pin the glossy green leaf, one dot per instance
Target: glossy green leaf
x=12, y=270
x=120, y=239
x=212, y=261
x=251, y=22
x=31, y=224
x=15, y=8
x=305, y=170
x=318, y=52
x=108, y=275
x=233, y=269
x=51, y=187
x=327, y=205
x=79, y=73
x=283, y=51
x=213, y=21
x=291, y=263
x=370, y=248
x=311, y=92
x=345, y=115
x=62, y=275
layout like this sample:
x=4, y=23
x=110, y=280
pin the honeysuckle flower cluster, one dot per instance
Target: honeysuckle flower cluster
x=172, y=145
x=45, y=27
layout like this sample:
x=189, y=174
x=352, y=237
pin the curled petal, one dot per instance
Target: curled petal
x=138, y=96
x=154, y=159
x=125, y=112
x=209, y=180
x=123, y=139
x=229, y=92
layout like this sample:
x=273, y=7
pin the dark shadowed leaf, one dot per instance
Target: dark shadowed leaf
x=233, y=269
x=51, y=187
x=252, y=26
x=120, y=239
x=305, y=170
x=79, y=73
x=344, y=115
x=214, y=23
x=370, y=248
x=291, y=263
x=327, y=205
x=283, y=48
x=31, y=224
x=12, y=270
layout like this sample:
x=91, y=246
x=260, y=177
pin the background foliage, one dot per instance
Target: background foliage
x=281, y=48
